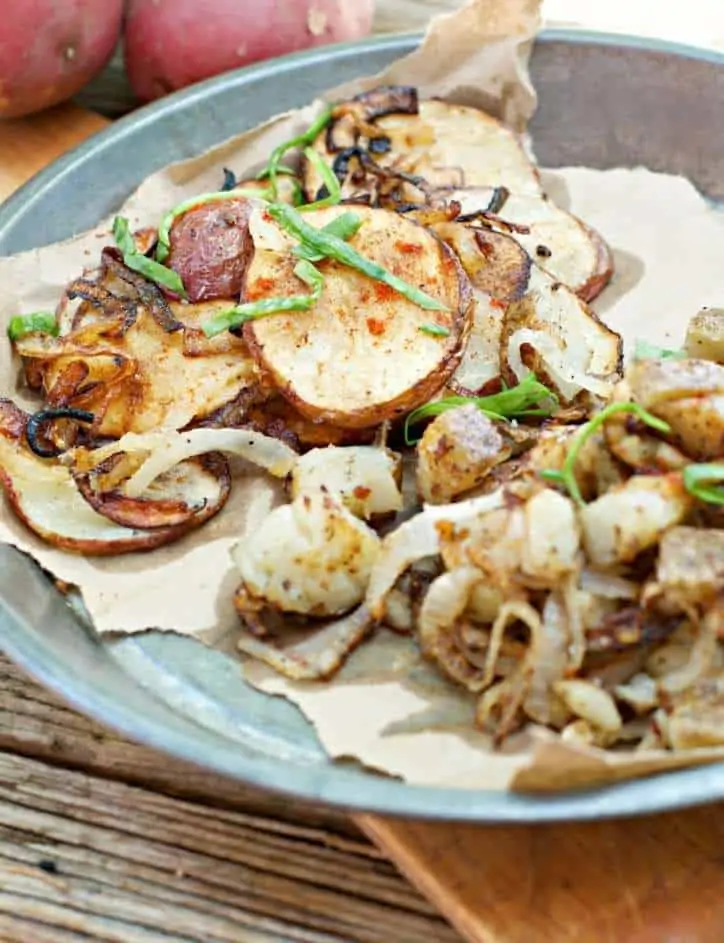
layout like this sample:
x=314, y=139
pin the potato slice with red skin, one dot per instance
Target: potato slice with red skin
x=559, y=242
x=359, y=355
x=211, y=248
x=446, y=144
x=45, y=498
x=190, y=494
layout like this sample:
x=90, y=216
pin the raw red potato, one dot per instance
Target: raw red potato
x=173, y=43
x=49, y=50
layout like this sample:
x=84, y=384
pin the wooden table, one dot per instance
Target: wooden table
x=104, y=840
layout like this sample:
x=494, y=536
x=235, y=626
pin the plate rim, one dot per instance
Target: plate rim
x=382, y=795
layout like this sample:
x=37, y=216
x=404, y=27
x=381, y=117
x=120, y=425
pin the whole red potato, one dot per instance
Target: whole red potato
x=49, y=49
x=172, y=43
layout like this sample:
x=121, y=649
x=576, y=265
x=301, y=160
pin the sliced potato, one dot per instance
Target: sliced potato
x=45, y=498
x=689, y=395
x=457, y=451
x=360, y=355
x=188, y=494
x=446, y=144
x=560, y=243
x=366, y=478
x=277, y=417
x=705, y=335
x=499, y=271
x=145, y=379
x=556, y=335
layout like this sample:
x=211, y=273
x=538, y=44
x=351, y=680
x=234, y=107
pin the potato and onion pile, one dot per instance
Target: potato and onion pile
x=392, y=318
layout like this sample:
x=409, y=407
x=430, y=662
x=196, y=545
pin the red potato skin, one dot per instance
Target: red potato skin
x=170, y=44
x=49, y=49
x=211, y=249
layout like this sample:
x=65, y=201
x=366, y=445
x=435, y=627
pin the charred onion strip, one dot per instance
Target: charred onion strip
x=149, y=294
x=124, y=310
x=34, y=429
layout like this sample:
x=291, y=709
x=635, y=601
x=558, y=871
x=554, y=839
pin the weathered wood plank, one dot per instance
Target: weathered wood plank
x=36, y=723
x=84, y=855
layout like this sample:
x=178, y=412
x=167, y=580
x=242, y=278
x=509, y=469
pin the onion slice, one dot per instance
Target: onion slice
x=318, y=657
x=417, y=538
x=167, y=448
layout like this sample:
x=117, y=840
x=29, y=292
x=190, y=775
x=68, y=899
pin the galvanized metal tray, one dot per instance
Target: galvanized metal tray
x=605, y=101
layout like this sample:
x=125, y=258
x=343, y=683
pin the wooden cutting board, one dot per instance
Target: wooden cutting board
x=651, y=880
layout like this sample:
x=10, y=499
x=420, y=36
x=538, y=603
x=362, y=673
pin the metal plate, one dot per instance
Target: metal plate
x=604, y=101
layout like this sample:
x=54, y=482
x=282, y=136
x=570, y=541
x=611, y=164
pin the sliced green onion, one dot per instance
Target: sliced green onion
x=701, y=482
x=253, y=310
x=163, y=247
x=329, y=179
x=332, y=247
x=301, y=141
x=434, y=330
x=646, y=351
x=529, y=398
x=566, y=476
x=150, y=269
x=39, y=322
x=344, y=227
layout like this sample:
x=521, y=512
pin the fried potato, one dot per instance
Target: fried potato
x=457, y=451
x=144, y=379
x=45, y=498
x=446, y=144
x=366, y=479
x=689, y=395
x=632, y=517
x=360, y=354
x=561, y=244
x=556, y=335
x=188, y=494
x=705, y=335
x=499, y=272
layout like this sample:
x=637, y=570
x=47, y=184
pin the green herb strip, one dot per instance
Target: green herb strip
x=39, y=322
x=517, y=402
x=150, y=269
x=566, y=476
x=332, y=247
x=253, y=310
x=329, y=179
x=301, y=141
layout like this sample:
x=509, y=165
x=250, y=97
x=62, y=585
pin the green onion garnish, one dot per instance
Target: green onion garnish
x=566, y=476
x=701, y=481
x=344, y=227
x=150, y=269
x=434, y=330
x=332, y=247
x=646, y=351
x=301, y=141
x=529, y=398
x=329, y=179
x=39, y=322
x=253, y=310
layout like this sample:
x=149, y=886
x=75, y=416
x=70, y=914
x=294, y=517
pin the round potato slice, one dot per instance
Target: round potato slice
x=446, y=144
x=45, y=498
x=559, y=242
x=363, y=353
x=188, y=494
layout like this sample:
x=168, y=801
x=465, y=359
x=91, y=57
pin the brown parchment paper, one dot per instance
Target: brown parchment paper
x=386, y=709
